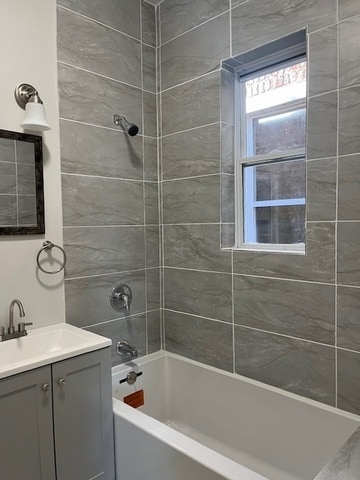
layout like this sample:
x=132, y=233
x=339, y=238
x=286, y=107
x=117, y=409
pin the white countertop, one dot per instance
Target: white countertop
x=46, y=345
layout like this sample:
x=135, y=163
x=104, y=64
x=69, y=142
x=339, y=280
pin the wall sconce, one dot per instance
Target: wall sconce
x=27, y=98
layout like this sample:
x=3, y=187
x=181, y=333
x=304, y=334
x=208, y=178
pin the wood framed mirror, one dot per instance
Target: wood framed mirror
x=21, y=184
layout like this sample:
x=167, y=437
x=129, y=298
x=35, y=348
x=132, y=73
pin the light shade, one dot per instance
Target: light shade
x=35, y=118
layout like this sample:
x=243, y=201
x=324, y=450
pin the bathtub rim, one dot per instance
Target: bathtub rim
x=135, y=364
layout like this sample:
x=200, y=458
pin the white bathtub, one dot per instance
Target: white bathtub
x=200, y=423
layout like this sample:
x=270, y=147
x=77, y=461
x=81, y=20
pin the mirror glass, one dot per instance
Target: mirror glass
x=21, y=184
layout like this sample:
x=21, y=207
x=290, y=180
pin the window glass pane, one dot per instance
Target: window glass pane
x=280, y=132
x=275, y=110
x=281, y=86
x=284, y=225
x=274, y=202
x=280, y=180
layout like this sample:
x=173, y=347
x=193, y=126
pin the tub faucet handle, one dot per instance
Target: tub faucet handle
x=126, y=299
x=120, y=298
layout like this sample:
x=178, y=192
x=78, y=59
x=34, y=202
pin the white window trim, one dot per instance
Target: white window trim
x=241, y=158
x=295, y=248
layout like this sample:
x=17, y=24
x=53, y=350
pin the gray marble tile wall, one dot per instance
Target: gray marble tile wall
x=288, y=320
x=107, y=65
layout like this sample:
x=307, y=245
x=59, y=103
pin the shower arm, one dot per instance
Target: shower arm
x=128, y=127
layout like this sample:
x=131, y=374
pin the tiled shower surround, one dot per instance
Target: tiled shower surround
x=106, y=66
x=288, y=320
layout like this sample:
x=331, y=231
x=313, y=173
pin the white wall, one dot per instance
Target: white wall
x=28, y=55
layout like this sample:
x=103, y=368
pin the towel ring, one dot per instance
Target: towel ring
x=47, y=245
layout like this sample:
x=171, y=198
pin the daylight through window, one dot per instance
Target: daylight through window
x=271, y=157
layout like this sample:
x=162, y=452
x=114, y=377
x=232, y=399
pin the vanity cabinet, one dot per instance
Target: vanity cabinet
x=56, y=421
x=26, y=429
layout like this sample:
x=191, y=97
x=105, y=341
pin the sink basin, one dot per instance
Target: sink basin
x=46, y=345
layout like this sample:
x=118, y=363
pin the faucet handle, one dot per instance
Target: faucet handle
x=120, y=297
x=22, y=325
x=126, y=299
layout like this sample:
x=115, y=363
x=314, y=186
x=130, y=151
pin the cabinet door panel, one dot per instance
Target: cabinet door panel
x=26, y=434
x=83, y=422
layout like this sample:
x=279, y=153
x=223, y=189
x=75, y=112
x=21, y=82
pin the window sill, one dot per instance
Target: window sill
x=298, y=249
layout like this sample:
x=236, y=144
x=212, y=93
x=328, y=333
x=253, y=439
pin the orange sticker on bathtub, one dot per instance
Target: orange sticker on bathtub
x=135, y=399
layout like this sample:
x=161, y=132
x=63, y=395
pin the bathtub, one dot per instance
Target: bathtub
x=201, y=423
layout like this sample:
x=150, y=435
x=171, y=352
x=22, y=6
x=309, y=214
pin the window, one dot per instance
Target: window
x=270, y=156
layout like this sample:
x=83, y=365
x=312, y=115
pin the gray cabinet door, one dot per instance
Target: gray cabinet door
x=26, y=433
x=83, y=421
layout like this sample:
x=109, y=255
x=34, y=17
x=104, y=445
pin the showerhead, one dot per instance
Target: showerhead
x=130, y=128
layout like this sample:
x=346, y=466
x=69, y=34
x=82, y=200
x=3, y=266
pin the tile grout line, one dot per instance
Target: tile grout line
x=160, y=177
x=189, y=129
x=300, y=339
x=334, y=221
x=14, y=194
x=239, y=325
x=221, y=204
x=217, y=320
x=337, y=21
x=199, y=77
x=335, y=90
x=308, y=62
x=108, y=274
x=156, y=7
x=142, y=224
x=143, y=172
x=71, y=120
x=193, y=28
x=134, y=315
x=233, y=312
x=235, y=274
x=137, y=225
x=230, y=29
x=344, y=349
x=102, y=24
x=97, y=74
x=194, y=176
x=337, y=200
x=86, y=175
x=158, y=154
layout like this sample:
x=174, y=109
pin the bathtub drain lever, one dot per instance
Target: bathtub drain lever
x=131, y=377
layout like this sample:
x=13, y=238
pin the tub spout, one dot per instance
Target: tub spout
x=124, y=348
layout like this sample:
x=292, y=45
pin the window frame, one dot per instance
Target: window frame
x=243, y=74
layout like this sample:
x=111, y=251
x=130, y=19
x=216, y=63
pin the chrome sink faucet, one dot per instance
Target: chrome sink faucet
x=11, y=332
x=11, y=328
